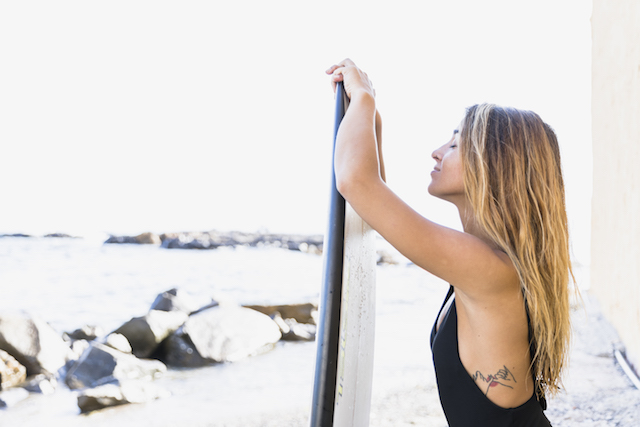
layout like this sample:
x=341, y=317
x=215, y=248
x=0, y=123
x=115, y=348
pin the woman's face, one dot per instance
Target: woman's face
x=447, y=180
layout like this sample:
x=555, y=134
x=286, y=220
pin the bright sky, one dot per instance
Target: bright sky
x=128, y=116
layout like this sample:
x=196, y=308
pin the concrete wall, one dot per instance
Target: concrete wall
x=615, y=244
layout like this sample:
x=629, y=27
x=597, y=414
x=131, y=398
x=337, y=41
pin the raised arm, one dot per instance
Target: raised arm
x=462, y=259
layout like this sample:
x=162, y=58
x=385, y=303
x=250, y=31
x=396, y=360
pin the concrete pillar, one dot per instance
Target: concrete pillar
x=615, y=227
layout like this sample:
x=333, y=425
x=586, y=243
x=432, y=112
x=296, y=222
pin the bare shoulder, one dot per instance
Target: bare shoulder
x=488, y=277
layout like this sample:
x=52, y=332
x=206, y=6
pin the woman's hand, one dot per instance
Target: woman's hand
x=356, y=82
x=354, y=79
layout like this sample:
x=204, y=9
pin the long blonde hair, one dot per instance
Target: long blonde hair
x=513, y=178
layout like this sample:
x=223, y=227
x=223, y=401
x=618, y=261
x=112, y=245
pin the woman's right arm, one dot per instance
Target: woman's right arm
x=459, y=258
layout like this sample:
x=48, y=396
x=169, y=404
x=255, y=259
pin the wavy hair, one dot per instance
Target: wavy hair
x=513, y=179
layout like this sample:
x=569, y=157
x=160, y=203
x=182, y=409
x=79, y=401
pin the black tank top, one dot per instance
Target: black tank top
x=464, y=404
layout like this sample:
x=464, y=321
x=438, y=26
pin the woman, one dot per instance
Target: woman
x=500, y=341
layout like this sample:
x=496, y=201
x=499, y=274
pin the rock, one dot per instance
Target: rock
x=299, y=331
x=294, y=242
x=146, y=333
x=302, y=313
x=118, y=342
x=121, y=240
x=179, y=300
x=12, y=373
x=148, y=239
x=60, y=236
x=141, y=239
x=310, y=248
x=12, y=396
x=101, y=364
x=190, y=241
x=114, y=394
x=215, y=239
x=78, y=347
x=41, y=383
x=284, y=326
x=384, y=257
x=294, y=331
x=87, y=332
x=221, y=334
x=33, y=343
x=179, y=351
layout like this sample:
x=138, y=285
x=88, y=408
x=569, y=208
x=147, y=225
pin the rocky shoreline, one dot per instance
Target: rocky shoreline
x=212, y=239
x=116, y=368
x=215, y=239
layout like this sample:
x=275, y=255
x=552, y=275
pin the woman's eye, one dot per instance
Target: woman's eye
x=453, y=146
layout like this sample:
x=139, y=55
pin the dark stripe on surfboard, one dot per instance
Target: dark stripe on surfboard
x=328, y=334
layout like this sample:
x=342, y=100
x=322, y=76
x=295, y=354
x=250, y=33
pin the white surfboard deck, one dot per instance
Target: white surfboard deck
x=357, y=324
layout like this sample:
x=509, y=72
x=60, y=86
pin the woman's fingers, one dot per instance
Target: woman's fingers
x=336, y=75
x=342, y=64
x=354, y=78
x=332, y=69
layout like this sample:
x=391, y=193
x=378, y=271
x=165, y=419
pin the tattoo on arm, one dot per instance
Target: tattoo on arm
x=503, y=377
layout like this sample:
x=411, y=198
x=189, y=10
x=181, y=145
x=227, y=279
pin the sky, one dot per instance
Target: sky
x=130, y=116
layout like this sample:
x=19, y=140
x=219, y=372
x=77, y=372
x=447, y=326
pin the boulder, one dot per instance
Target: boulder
x=190, y=241
x=101, y=364
x=302, y=313
x=121, y=240
x=148, y=239
x=41, y=383
x=293, y=242
x=221, y=334
x=87, y=332
x=12, y=373
x=179, y=300
x=114, y=394
x=293, y=331
x=140, y=239
x=384, y=257
x=179, y=351
x=147, y=332
x=118, y=342
x=33, y=343
x=78, y=347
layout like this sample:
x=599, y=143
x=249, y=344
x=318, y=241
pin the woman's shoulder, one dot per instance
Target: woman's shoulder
x=494, y=282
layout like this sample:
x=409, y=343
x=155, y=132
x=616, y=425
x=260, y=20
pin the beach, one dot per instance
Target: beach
x=71, y=282
x=596, y=391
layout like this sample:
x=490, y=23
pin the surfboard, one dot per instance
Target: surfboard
x=345, y=336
